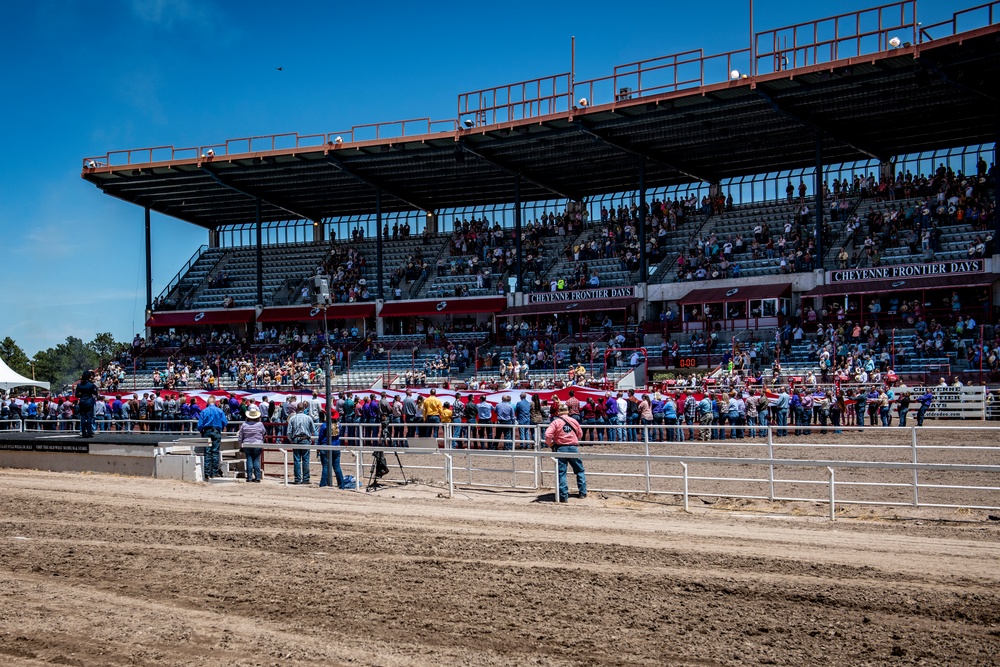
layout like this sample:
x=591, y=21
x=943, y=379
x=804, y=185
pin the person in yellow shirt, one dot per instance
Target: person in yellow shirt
x=432, y=413
x=446, y=414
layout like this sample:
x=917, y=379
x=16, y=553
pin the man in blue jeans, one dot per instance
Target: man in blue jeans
x=211, y=422
x=563, y=435
x=611, y=410
x=925, y=403
x=522, y=413
x=781, y=412
x=300, y=430
x=505, y=418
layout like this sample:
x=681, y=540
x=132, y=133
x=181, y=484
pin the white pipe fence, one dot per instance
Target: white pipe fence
x=902, y=471
x=894, y=466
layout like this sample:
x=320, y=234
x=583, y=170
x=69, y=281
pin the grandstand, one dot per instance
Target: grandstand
x=789, y=186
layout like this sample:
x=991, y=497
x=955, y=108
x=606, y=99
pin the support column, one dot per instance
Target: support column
x=149, y=265
x=643, y=212
x=517, y=230
x=818, y=257
x=260, y=254
x=996, y=190
x=380, y=294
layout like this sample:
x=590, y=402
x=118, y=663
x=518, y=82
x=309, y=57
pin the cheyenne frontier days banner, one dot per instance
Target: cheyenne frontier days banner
x=908, y=271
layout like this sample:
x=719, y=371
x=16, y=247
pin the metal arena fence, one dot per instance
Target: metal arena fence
x=928, y=466
x=917, y=466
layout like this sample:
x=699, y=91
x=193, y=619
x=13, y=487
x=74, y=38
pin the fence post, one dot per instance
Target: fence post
x=833, y=505
x=684, y=467
x=357, y=470
x=448, y=474
x=284, y=454
x=649, y=487
x=770, y=467
x=913, y=431
x=556, y=481
x=537, y=460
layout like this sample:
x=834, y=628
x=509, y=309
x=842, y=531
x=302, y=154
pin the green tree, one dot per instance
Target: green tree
x=104, y=346
x=63, y=364
x=14, y=356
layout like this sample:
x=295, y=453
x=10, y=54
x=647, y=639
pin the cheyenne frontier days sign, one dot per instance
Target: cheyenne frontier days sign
x=582, y=295
x=908, y=271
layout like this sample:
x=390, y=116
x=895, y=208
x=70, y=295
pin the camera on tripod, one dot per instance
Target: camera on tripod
x=380, y=467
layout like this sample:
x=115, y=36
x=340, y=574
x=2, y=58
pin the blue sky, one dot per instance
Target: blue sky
x=84, y=78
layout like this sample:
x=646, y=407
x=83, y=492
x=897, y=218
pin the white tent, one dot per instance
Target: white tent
x=9, y=379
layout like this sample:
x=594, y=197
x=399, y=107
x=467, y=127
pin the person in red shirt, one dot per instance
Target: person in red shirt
x=573, y=403
x=563, y=435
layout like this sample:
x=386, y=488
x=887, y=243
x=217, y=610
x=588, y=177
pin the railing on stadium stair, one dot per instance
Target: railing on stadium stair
x=180, y=274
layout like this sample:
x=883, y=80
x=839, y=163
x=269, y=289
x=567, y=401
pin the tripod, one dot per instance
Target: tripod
x=380, y=467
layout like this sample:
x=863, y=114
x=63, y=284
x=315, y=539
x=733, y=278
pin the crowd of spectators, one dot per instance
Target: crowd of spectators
x=344, y=267
x=926, y=206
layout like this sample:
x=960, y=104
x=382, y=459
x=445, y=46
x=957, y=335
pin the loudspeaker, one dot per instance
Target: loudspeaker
x=319, y=291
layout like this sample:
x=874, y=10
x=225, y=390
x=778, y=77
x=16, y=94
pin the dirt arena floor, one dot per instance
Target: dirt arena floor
x=100, y=570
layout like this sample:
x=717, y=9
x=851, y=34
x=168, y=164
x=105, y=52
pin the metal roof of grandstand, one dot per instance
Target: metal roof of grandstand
x=345, y=311
x=458, y=306
x=741, y=293
x=692, y=118
x=201, y=317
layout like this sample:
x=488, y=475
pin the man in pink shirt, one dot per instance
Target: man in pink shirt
x=563, y=435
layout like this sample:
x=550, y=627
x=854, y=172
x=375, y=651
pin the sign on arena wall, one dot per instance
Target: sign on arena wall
x=953, y=402
x=583, y=295
x=907, y=271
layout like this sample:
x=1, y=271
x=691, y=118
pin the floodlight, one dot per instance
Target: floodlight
x=91, y=164
x=895, y=42
x=211, y=153
x=468, y=122
x=339, y=140
x=584, y=103
x=734, y=74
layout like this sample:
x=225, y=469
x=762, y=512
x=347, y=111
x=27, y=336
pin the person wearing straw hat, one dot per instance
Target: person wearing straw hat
x=563, y=435
x=251, y=439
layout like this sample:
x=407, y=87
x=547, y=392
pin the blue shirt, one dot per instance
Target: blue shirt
x=321, y=438
x=523, y=411
x=485, y=411
x=505, y=411
x=212, y=417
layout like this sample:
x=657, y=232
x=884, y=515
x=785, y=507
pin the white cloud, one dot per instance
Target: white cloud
x=165, y=13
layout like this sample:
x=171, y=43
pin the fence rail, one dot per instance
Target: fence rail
x=900, y=466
